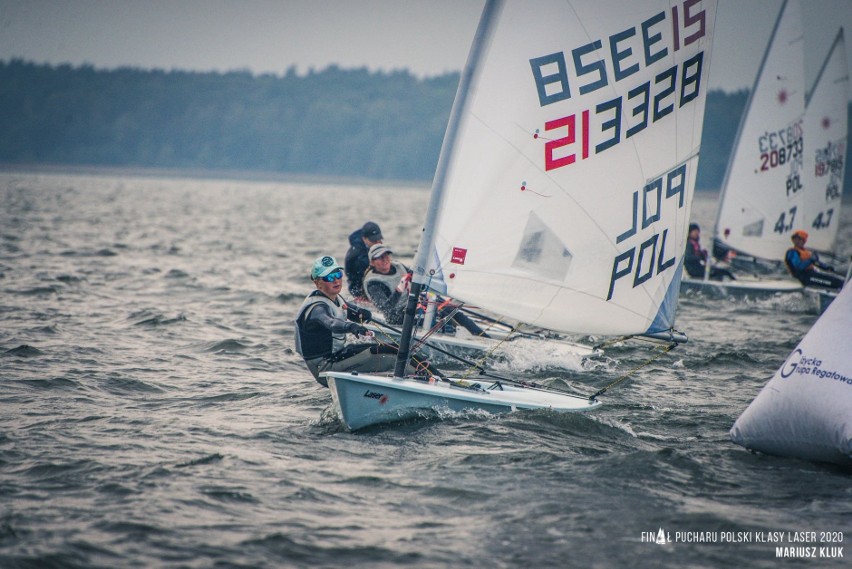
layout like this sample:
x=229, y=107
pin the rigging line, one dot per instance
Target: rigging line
x=481, y=370
x=611, y=342
x=422, y=363
x=501, y=323
x=427, y=344
x=439, y=324
x=486, y=373
x=666, y=350
x=636, y=337
x=488, y=354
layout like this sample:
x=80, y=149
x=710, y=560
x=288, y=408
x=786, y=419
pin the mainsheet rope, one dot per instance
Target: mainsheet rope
x=478, y=365
x=649, y=361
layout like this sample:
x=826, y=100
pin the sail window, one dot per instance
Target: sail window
x=754, y=229
x=542, y=252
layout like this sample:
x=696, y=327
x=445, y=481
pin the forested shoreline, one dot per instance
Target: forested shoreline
x=334, y=123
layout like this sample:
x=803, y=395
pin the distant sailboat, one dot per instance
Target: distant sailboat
x=826, y=126
x=761, y=200
x=563, y=190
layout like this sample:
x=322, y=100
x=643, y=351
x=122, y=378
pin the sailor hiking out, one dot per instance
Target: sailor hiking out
x=323, y=322
x=802, y=264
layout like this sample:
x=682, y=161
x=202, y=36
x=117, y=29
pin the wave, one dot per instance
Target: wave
x=104, y=252
x=24, y=351
x=209, y=459
x=148, y=318
x=289, y=297
x=176, y=274
x=36, y=291
x=118, y=385
x=226, y=346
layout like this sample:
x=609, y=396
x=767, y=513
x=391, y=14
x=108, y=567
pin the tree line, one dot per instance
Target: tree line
x=333, y=122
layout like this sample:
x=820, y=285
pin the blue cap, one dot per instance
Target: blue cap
x=323, y=266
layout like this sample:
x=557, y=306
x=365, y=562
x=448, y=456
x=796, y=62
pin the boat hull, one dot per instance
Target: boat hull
x=362, y=400
x=759, y=288
x=821, y=297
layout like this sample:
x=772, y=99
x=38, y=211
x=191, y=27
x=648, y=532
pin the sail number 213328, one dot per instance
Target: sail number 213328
x=587, y=68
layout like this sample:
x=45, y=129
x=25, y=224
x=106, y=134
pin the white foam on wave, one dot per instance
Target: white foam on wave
x=539, y=355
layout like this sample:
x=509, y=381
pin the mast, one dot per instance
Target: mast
x=487, y=22
x=837, y=39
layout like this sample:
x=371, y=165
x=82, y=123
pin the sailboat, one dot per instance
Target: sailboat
x=762, y=191
x=826, y=126
x=563, y=190
x=805, y=410
x=826, y=116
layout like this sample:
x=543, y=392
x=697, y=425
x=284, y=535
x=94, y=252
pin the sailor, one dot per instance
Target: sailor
x=322, y=325
x=356, y=260
x=802, y=264
x=695, y=258
x=386, y=283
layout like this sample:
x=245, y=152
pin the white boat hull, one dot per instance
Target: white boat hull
x=362, y=400
x=821, y=297
x=741, y=287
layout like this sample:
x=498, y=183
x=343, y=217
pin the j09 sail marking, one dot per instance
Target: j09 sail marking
x=649, y=258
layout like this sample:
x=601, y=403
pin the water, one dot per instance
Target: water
x=153, y=412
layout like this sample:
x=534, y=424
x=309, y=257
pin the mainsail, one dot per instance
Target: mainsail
x=761, y=202
x=566, y=179
x=825, y=148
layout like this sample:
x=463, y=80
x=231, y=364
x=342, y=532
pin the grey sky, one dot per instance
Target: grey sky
x=427, y=37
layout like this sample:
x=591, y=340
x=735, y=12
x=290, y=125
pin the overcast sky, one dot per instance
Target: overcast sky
x=427, y=37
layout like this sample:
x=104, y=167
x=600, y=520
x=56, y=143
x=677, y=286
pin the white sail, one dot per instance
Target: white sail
x=570, y=178
x=825, y=148
x=805, y=410
x=761, y=199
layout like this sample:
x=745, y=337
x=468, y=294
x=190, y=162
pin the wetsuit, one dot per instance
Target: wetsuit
x=802, y=264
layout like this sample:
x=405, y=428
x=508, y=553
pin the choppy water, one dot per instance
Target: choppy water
x=153, y=412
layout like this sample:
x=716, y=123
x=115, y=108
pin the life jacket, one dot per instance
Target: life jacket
x=804, y=255
x=390, y=281
x=318, y=341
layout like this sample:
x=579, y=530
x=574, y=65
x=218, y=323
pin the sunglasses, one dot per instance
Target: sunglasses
x=331, y=277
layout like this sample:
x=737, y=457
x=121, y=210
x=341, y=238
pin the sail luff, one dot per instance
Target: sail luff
x=427, y=240
x=838, y=38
